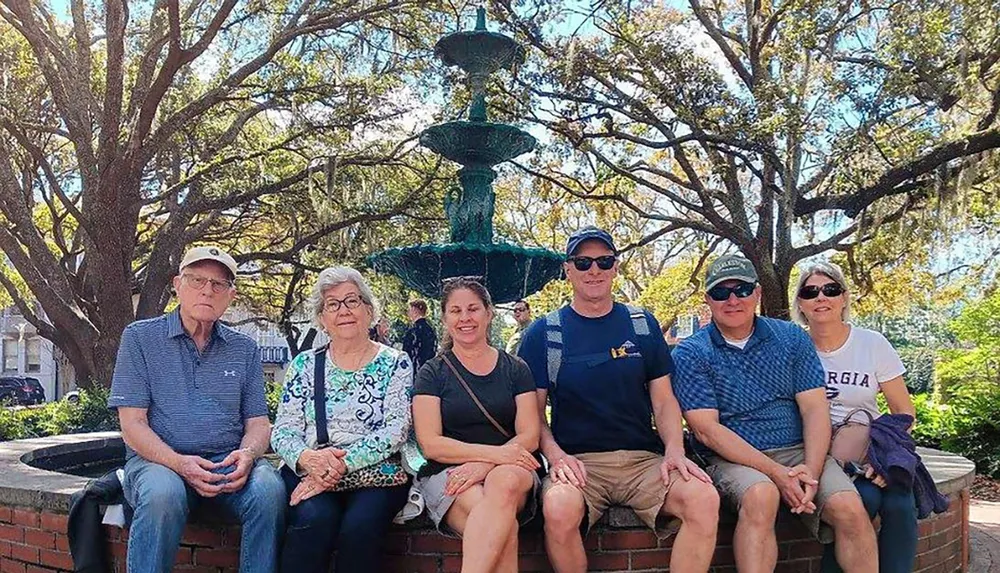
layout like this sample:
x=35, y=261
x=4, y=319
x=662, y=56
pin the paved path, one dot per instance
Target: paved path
x=984, y=537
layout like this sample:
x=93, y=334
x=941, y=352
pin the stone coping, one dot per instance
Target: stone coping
x=27, y=486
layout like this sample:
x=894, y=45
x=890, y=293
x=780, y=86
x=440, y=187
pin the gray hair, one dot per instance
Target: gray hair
x=829, y=270
x=334, y=276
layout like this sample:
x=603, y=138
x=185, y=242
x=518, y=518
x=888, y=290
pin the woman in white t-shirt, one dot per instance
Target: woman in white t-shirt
x=860, y=363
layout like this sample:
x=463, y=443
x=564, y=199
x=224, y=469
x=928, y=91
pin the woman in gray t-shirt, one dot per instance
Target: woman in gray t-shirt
x=476, y=419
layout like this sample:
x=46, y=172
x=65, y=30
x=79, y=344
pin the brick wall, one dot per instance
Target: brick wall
x=34, y=541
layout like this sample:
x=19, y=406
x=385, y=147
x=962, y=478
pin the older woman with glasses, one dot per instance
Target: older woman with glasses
x=476, y=419
x=860, y=363
x=341, y=459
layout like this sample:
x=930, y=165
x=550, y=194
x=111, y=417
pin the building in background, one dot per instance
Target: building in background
x=26, y=353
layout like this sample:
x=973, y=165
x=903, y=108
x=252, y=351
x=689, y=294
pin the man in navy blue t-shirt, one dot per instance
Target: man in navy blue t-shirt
x=606, y=370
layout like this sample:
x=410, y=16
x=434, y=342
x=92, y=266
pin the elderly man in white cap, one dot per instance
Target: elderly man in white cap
x=190, y=397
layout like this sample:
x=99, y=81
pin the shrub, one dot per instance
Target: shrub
x=935, y=421
x=90, y=414
x=976, y=435
x=919, y=363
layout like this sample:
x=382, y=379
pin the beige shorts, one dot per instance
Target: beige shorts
x=629, y=478
x=733, y=480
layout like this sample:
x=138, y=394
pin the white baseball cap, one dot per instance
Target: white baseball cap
x=209, y=254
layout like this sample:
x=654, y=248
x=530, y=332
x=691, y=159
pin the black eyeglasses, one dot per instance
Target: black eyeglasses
x=721, y=293
x=830, y=290
x=351, y=301
x=584, y=263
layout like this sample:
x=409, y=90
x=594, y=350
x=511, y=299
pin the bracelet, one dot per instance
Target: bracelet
x=250, y=451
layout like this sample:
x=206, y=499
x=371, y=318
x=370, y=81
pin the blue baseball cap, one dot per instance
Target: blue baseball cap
x=589, y=233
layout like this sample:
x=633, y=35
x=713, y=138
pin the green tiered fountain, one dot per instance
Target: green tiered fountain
x=509, y=271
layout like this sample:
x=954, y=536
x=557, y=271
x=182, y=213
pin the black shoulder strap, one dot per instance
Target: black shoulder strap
x=319, y=395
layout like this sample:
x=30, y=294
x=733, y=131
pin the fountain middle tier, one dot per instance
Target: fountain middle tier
x=477, y=143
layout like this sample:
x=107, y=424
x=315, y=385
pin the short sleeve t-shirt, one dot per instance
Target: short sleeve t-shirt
x=600, y=402
x=856, y=371
x=753, y=388
x=461, y=419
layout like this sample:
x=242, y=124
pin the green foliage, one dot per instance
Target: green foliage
x=976, y=425
x=968, y=424
x=90, y=414
x=272, y=394
x=919, y=363
x=935, y=421
x=978, y=328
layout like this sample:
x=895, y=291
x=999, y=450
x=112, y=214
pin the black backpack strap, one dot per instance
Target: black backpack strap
x=319, y=396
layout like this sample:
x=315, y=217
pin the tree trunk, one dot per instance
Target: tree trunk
x=774, y=297
x=109, y=273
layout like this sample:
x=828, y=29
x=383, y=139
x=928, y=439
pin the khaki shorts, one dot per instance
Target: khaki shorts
x=629, y=478
x=733, y=480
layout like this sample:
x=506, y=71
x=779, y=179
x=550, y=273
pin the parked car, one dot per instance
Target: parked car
x=21, y=391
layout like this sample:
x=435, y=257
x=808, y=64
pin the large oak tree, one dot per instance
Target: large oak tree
x=130, y=130
x=787, y=128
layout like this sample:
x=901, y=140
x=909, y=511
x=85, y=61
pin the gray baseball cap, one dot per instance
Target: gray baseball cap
x=728, y=268
x=209, y=254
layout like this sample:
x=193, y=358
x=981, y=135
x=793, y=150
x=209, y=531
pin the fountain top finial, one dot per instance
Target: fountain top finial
x=481, y=19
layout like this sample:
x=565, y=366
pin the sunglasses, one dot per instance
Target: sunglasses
x=584, y=263
x=721, y=293
x=829, y=290
x=478, y=279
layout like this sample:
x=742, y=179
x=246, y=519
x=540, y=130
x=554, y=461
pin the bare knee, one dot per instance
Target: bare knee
x=759, y=506
x=508, y=483
x=696, y=504
x=845, y=510
x=563, y=508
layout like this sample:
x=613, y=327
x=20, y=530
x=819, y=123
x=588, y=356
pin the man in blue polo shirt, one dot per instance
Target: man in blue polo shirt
x=752, y=391
x=190, y=398
x=606, y=369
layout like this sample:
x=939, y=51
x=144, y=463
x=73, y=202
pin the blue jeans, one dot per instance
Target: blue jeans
x=897, y=538
x=355, y=521
x=162, y=500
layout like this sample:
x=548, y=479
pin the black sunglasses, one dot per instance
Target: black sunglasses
x=829, y=290
x=584, y=263
x=721, y=293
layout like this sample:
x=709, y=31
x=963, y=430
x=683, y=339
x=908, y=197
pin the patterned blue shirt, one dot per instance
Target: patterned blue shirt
x=196, y=402
x=753, y=389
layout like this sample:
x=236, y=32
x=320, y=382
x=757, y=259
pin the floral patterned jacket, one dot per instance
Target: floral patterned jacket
x=367, y=411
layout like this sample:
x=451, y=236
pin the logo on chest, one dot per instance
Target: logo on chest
x=628, y=349
x=229, y=373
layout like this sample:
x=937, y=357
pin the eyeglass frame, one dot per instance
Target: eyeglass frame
x=832, y=285
x=343, y=302
x=730, y=291
x=187, y=279
x=589, y=261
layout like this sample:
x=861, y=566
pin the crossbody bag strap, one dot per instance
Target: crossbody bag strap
x=475, y=399
x=319, y=396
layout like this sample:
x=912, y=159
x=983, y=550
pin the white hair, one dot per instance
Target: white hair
x=833, y=272
x=331, y=277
